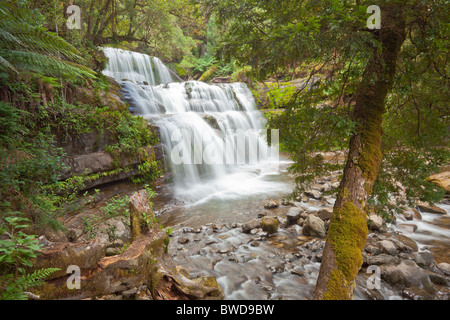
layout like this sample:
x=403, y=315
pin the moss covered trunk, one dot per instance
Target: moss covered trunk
x=342, y=256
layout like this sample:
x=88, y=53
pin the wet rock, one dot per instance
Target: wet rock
x=191, y=230
x=129, y=294
x=325, y=214
x=416, y=293
x=314, y=226
x=431, y=209
x=382, y=259
x=270, y=224
x=298, y=271
x=375, y=222
x=216, y=227
x=319, y=257
x=112, y=297
x=388, y=247
x=271, y=204
x=373, y=250
x=262, y=214
x=407, y=273
x=315, y=194
x=183, y=240
x=423, y=258
x=408, y=214
x=444, y=267
x=437, y=278
x=417, y=214
x=408, y=227
x=249, y=226
x=200, y=288
x=293, y=215
x=408, y=242
x=315, y=245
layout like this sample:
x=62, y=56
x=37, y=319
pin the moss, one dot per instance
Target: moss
x=337, y=286
x=347, y=236
x=270, y=224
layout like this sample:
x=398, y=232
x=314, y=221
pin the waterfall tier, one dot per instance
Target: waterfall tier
x=210, y=132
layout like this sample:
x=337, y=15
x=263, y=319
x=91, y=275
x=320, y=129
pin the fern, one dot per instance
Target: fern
x=24, y=47
x=15, y=288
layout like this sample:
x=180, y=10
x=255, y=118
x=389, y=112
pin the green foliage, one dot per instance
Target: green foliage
x=330, y=40
x=167, y=239
x=148, y=171
x=132, y=133
x=278, y=96
x=26, y=46
x=149, y=219
x=17, y=252
x=29, y=160
x=115, y=208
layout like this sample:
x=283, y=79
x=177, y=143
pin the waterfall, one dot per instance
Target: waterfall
x=213, y=134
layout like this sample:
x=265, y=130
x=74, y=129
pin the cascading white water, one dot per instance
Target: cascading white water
x=201, y=125
x=127, y=65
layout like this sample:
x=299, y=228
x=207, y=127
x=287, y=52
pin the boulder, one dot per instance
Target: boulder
x=411, y=213
x=431, y=209
x=444, y=267
x=293, y=215
x=407, y=273
x=416, y=293
x=437, y=278
x=314, y=226
x=408, y=242
x=373, y=250
x=315, y=194
x=270, y=224
x=441, y=180
x=382, y=259
x=249, y=226
x=388, y=247
x=408, y=227
x=423, y=258
x=271, y=204
x=325, y=214
x=375, y=222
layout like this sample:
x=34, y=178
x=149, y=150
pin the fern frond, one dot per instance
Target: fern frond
x=5, y=64
x=46, y=65
x=32, y=48
x=35, y=279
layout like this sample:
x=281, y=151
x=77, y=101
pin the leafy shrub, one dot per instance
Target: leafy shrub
x=17, y=252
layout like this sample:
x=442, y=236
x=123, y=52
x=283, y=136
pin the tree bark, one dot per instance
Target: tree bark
x=342, y=256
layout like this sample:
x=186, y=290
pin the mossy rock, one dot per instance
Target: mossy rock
x=270, y=224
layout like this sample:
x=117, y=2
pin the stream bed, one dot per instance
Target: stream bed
x=208, y=240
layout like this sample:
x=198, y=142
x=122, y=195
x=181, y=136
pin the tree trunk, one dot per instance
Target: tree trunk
x=342, y=256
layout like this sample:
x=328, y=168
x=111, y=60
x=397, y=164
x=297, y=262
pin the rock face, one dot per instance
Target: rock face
x=139, y=206
x=137, y=272
x=314, y=226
